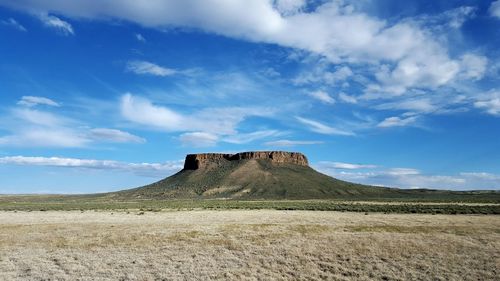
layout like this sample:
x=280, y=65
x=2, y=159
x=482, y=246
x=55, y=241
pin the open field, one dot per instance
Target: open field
x=488, y=205
x=247, y=245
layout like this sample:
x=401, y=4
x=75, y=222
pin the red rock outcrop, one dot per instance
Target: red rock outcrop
x=196, y=161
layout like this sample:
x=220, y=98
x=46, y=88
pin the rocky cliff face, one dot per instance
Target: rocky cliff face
x=196, y=161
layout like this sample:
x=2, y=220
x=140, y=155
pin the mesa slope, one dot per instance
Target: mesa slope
x=265, y=175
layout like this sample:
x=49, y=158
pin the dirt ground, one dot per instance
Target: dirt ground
x=247, y=245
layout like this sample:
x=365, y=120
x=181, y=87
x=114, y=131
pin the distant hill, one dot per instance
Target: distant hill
x=272, y=175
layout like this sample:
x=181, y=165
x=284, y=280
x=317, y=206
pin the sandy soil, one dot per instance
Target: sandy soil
x=247, y=245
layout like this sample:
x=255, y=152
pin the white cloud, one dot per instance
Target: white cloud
x=490, y=102
x=63, y=27
x=413, y=104
x=473, y=66
x=495, y=9
x=143, y=112
x=242, y=138
x=199, y=139
x=38, y=117
x=397, y=122
x=28, y=127
x=139, y=37
x=144, y=67
x=289, y=7
x=402, y=171
x=114, y=135
x=204, y=139
x=322, y=96
x=459, y=15
x=320, y=128
x=291, y=143
x=45, y=137
x=320, y=74
x=347, y=98
x=413, y=178
x=32, y=101
x=482, y=175
x=143, y=169
x=453, y=18
x=13, y=23
x=221, y=121
x=325, y=165
x=414, y=56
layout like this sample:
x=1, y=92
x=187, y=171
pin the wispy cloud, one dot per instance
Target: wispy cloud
x=242, y=138
x=291, y=143
x=409, y=177
x=145, y=67
x=199, y=139
x=320, y=128
x=322, y=75
x=143, y=169
x=114, y=135
x=347, y=98
x=410, y=54
x=220, y=121
x=343, y=166
x=32, y=101
x=397, y=122
x=139, y=37
x=60, y=25
x=489, y=101
x=495, y=9
x=14, y=24
x=202, y=128
x=322, y=96
x=29, y=127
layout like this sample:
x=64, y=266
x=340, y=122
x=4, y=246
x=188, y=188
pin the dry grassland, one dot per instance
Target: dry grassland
x=247, y=245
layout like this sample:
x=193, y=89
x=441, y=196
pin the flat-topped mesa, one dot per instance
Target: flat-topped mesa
x=196, y=161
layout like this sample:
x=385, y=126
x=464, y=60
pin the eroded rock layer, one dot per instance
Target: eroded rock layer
x=196, y=161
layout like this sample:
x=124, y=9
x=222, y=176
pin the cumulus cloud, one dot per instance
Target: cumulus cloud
x=33, y=100
x=145, y=67
x=291, y=143
x=495, y=9
x=143, y=169
x=412, y=55
x=321, y=128
x=14, y=24
x=322, y=96
x=60, y=25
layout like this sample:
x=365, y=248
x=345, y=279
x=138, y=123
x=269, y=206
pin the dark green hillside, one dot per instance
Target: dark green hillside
x=262, y=179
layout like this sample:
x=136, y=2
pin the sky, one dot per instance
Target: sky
x=102, y=95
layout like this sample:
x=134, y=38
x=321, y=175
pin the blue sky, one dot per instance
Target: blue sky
x=104, y=95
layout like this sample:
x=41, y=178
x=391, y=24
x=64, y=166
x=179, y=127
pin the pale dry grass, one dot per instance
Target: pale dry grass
x=247, y=245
